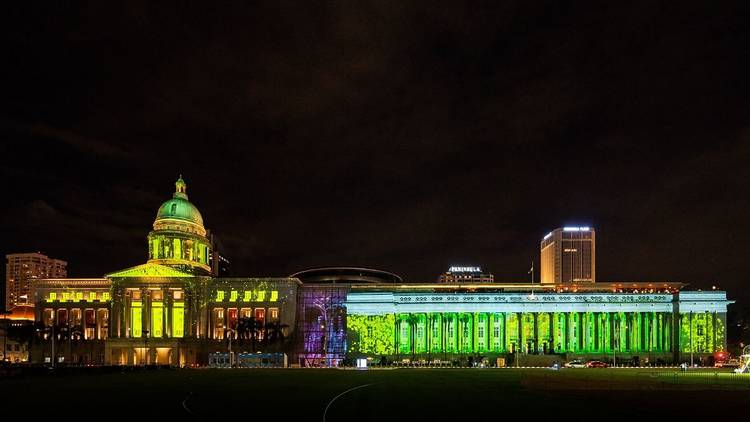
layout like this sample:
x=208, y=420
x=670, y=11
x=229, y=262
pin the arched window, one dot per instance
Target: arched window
x=174, y=208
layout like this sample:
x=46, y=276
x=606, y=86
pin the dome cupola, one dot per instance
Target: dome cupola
x=179, y=237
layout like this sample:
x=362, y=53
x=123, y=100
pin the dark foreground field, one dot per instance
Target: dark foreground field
x=383, y=395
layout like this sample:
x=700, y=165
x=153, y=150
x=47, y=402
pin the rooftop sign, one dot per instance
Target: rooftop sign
x=464, y=270
x=575, y=229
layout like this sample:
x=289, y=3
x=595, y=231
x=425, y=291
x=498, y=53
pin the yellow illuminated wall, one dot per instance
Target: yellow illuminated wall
x=178, y=319
x=136, y=319
x=157, y=319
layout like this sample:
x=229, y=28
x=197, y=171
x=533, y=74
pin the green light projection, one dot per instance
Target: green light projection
x=559, y=332
x=371, y=334
x=481, y=332
x=512, y=337
x=701, y=332
x=497, y=332
x=543, y=328
x=436, y=332
x=574, y=332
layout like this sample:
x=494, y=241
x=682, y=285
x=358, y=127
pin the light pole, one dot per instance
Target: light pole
x=690, y=327
x=614, y=348
x=52, y=335
x=51, y=331
x=145, y=345
x=5, y=333
x=230, y=334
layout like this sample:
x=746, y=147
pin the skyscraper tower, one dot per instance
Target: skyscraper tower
x=22, y=268
x=568, y=255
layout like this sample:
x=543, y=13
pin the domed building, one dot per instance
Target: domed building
x=171, y=309
x=179, y=237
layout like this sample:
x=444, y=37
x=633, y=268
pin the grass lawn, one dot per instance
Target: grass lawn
x=389, y=395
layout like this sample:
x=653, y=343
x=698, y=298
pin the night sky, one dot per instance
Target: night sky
x=383, y=135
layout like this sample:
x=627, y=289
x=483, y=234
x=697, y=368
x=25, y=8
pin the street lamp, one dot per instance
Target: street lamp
x=5, y=332
x=145, y=344
x=230, y=335
x=616, y=341
x=51, y=331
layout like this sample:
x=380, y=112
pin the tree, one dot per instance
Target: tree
x=275, y=332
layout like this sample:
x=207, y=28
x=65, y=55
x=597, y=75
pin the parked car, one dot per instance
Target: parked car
x=576, y=363
x=596, y=364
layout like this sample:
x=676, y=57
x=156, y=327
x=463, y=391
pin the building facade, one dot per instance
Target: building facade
x=568, y=255
x=171, y=310
x=457, y=274
x=22, y=268
x=633, y=321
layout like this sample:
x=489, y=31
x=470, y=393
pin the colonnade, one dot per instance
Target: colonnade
x=537, y=332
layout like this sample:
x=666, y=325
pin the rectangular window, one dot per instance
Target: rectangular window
x=105, y=296
x=157, y=319
x=178, y=319
x=102, y=321
x=233, y=296
x=232, y=318
x=218, y=319
x=260, y=314
x=274, y=296
x=90, y=317
x=92, y=296
x=136, y=319
x=260, y=319
x=62, y=317
x=49, y=317
x=273, y=313
x=247, y=296
x=261, y=296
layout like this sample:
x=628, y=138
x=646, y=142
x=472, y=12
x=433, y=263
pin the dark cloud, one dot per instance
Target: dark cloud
x=383, y=134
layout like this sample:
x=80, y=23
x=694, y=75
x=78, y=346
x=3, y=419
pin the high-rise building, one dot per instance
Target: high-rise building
x=21, y=268
x=465, y=275
x=219, y=262
x=568, y=255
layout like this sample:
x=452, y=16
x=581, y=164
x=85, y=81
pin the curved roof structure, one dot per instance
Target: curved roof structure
x=346, y=275
x=179, y=208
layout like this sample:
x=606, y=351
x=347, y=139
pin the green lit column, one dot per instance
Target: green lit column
x=428, y=333
x=658, y=343
x=559, y=332
x=444, y=333
x=572, y=333
x=491, y=324
x=512, y=332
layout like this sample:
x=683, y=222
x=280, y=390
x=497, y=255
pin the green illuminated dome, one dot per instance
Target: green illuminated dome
x=179, y=237
x=179, y=210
